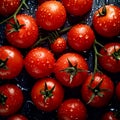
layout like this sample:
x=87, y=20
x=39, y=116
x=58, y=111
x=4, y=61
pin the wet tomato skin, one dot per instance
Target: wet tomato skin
x=58, y=45
x=107, y=25
x=14, y=99
x=72, y=109
x=109, y=116
x=62, y=64
x=17, y=117
x=106, y=94
x=110, y=59
x=42, y=1
x=26, y=35
x=8, y=7
x=81, y=37
x=117, y=91
x=77, y=7
x=14, y=63
x=51, y=15
x=39, y=62
x=50, y=103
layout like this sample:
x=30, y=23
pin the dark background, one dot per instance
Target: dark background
x=25, y=82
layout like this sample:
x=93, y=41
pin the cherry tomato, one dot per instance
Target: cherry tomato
x=58, y=45
x=39, y=62
x=17, y=117
x=11, y=99
x=77, y=7
x=23, y=33
x=97, y=90
x=117, y=91
x=106, y=21
x=51, y=15
x=42, y=1
x=72, y=109
x=47, y=94
x=80, y=37
x=110, y=115
x=8, y=7
x=11, y=62
x=110, y=59
x=71, y=69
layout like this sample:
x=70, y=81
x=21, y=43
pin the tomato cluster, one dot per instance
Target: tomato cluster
x=59, y=60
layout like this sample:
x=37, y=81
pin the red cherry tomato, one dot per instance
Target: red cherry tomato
x=71, y=69
x=109, y=116
x=80, y=37
x=17, y=117
x=110, y=59
x=106, y=21
x=72, y=109
x=39, y=62
x=11, y=99
x=97, y=90
x=51, y=15
x=8, y=7
x=77, y=7
x=11, y=62
x=58, y=45
x=22, y=34
x=47, y=94
x=117, y=91
x=42, y=1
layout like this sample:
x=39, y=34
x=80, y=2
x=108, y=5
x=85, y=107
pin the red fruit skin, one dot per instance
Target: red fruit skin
x=39, y=62
x=51, y=103
x=72, y=109
x=17, y=117
x=117, y=91
x=51, y=15
x=107, y=25
x=8, y=7
x=98, y=102
x=109, y=116
x=59, y=45
x=81, y=37
x=42, y=1
x=14, y=64
x=107, y=61
x=27, y=34
x=14, y=99
x=77, y=7
x=62, y=63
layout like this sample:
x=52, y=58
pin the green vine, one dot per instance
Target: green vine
x=23, y=2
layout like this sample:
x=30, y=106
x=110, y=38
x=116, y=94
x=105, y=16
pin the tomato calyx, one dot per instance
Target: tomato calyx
x=96, y=91
x=15, y=26
x=46, y=92
x=116, y=54
x=103, y=12
x=3, y=63
x=3, y=99
x=72, y=70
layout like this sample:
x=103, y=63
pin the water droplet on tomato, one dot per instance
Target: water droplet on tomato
x=80, y=36
x=28, y=33
x=100, y=24
x=86, y=37
x=114, y=24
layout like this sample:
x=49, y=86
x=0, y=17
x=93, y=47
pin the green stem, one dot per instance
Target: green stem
x=65, y=30
x=40, y=41
x=16, y=12
x=96, y=59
